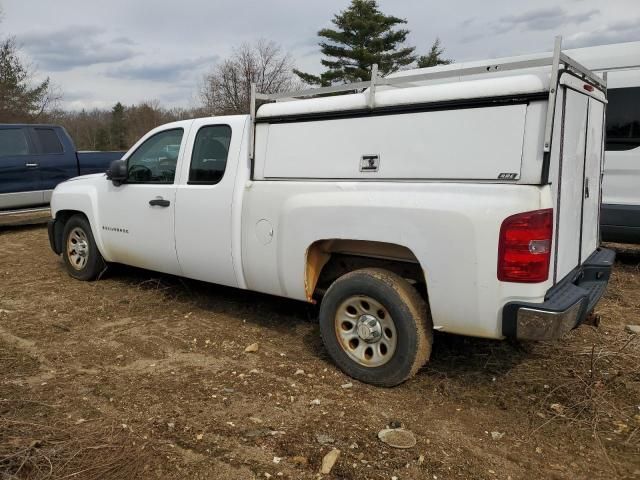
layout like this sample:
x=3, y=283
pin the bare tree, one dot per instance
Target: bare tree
x=94, y=129
x=227, y=89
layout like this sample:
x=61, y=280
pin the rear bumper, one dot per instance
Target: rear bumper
x=567, y=304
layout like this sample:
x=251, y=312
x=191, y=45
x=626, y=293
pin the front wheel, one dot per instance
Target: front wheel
x=82, y=258
x=375, y=327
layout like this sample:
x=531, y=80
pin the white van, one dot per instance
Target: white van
x=620, y=218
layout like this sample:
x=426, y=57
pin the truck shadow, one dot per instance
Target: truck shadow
x=627, y=254
x=474, y=360
x=453, y=356
x=19, y=220
x=25, y=226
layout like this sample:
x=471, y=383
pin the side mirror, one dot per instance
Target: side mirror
x=117, y=172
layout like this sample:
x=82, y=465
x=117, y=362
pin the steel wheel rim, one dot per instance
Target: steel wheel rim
x=78, y=248
x=365, y=331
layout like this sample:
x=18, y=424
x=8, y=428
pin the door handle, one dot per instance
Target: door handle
x=586, y=187
x=159, y=202
x=31, y=165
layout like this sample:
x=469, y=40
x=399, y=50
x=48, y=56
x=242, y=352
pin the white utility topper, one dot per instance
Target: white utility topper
x=464, y=201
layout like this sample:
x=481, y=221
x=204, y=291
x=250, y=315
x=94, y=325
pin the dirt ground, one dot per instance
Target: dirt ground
x=141, y=375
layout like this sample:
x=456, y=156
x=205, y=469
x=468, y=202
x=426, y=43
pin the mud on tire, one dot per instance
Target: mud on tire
x=376, y=327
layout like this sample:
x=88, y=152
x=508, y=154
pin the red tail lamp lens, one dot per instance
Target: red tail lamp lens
x=524, y=249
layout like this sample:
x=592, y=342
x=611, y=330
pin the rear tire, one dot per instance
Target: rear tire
x=80, y=253
x=376, y=327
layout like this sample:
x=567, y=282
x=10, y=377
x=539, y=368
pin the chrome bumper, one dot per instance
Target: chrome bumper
x=567, y=304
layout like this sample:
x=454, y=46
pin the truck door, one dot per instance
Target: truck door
x=137, y=218
x=593, y=166
x=575, y=175
x=204, y=201
x=54, y=163
x=19, y=175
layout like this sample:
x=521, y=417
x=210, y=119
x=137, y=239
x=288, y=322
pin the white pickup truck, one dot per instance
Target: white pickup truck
x=467, y=206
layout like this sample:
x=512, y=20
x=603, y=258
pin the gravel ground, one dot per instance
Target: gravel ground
x=142, y=375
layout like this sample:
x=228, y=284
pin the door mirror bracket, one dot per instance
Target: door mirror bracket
x=117, y=172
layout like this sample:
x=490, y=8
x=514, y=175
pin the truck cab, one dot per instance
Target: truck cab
x=173, y=172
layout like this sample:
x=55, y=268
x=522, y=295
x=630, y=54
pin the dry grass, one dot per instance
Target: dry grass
x=30, y=450
x=596, y=391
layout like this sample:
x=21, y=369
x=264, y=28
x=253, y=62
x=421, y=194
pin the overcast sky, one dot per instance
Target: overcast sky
x=99, y=53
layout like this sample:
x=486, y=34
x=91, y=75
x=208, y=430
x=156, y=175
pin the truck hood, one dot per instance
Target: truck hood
x=85, y=177
x=78, y=193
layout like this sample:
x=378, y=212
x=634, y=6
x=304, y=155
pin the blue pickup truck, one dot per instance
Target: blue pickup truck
x=36, y=158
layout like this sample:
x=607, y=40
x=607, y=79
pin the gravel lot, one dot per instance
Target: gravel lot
x=141, y=375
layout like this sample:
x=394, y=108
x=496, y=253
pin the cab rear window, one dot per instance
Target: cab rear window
x=48, y=140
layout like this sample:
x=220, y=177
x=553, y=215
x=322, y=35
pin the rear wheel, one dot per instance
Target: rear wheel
x=375, y=326
x=81, y=257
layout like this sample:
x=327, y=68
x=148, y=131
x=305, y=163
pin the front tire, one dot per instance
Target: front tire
x=80, y=253
x=376, y=327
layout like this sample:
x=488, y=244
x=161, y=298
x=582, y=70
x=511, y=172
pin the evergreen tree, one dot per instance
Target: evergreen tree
x=363, y=36
x=118, y=128
x=20, y=101
x=434, y=57
x=102, y=142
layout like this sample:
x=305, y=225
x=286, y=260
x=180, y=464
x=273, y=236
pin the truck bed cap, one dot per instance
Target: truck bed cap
x=510, y=86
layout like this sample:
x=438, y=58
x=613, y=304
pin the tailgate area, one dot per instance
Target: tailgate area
x=575, y=174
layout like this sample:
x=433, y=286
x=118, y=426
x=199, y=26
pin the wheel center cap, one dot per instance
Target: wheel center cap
x=82, y=249
x=369, y=328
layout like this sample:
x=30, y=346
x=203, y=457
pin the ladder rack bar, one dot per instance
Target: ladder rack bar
x=553, y=87
x=555, y=61
x=488, y=67
x=461, y=72
x=252, y=114
x=372, y=87
x=316, y=91
x=570, y=62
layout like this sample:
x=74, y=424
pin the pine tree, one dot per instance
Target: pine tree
x=103, y=142
x=434, y=57
x=118, y=128
x=20, y=100
x=363, y=36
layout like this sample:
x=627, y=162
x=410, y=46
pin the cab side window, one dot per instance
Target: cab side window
x=13, y=141
x=623, y=118
x=155, y=160
x=49, y=141
x=209, y=158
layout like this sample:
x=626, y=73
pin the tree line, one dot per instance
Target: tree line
x=362, y=35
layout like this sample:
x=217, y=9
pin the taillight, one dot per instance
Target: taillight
x=524, y=249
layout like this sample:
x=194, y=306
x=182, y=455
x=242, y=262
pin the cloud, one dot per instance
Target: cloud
x=75, y=46
x=163, y=71
x=139, y=52
x=543, y=19
x=617, y=32
x=74, y=95
x=538, y=20
x=467, y=22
